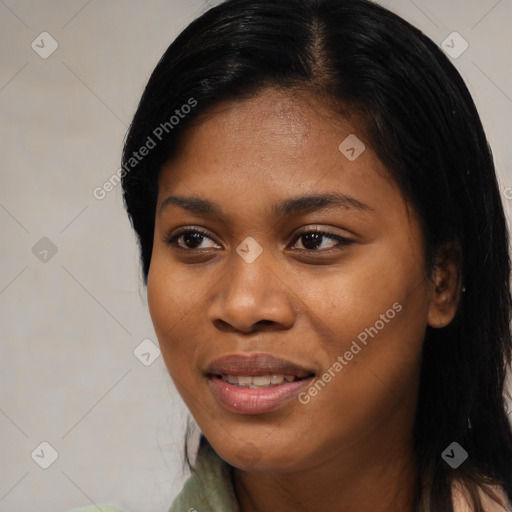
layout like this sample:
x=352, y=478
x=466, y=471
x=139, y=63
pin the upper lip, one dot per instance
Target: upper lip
x=256, y=365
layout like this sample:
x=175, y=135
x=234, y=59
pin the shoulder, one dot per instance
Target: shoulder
x=462, y=503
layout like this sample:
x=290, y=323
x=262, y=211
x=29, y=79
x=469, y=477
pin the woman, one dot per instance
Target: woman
x=326, y=261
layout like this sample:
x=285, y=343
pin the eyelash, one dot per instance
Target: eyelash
x=342, y=241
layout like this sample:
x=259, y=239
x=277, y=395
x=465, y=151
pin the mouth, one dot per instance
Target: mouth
x=255, y=366
x=260, y=381
x=257, y=383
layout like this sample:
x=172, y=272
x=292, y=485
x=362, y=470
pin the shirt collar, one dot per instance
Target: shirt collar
x=210, y=486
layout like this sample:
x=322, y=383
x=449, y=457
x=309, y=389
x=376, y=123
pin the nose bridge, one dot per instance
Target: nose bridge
x=251, y=292
x=248, y=284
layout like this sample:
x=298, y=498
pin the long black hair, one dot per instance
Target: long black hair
x=422, y=123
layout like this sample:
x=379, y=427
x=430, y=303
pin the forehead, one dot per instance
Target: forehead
x=250, y=155
x=273, y=131
x=291, y=114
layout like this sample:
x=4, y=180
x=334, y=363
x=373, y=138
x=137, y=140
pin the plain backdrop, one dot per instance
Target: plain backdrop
x=83, y=390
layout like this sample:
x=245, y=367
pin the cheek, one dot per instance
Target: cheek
x=172, y=303
x=374, y=314
x=378, y=311
x=378, y=337
x=361, y=292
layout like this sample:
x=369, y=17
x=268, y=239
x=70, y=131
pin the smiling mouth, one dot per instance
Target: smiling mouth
x=256, y=383
x=259, y=381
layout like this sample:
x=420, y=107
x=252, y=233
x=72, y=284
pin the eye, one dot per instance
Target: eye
x=311, y=240
x=192, y=238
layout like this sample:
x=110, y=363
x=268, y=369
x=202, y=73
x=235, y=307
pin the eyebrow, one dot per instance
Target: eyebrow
x=299, y=204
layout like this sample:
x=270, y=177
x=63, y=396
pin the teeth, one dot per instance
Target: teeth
x=261, y=381
x=277, y=379
x=264, y=380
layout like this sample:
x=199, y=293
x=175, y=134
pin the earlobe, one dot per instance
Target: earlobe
x=446, y=292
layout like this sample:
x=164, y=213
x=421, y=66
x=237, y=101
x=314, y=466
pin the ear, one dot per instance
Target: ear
x=446, y=285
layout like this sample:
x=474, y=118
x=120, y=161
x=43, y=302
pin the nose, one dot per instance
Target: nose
x=252, y=297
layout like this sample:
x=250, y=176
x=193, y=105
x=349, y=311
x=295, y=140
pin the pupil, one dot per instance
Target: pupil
x=311, y=239
x=195, y=237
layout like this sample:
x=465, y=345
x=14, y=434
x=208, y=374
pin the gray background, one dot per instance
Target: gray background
x=70, y=321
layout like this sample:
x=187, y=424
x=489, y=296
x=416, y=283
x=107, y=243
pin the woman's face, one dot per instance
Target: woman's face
x=345, y=308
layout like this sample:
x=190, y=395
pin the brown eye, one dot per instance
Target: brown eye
x=191, y=238
x=313, y=239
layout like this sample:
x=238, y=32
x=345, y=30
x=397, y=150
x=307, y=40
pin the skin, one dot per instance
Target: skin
x=350, y=447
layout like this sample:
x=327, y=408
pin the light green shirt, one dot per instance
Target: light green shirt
x=208, y=489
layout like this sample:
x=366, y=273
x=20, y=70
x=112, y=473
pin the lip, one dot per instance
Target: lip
x=242, y=400
x=256, y=365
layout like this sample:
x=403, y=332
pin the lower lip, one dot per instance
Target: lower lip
x=255, y=401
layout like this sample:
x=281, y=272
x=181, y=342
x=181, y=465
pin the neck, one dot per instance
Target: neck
x=381, y=477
